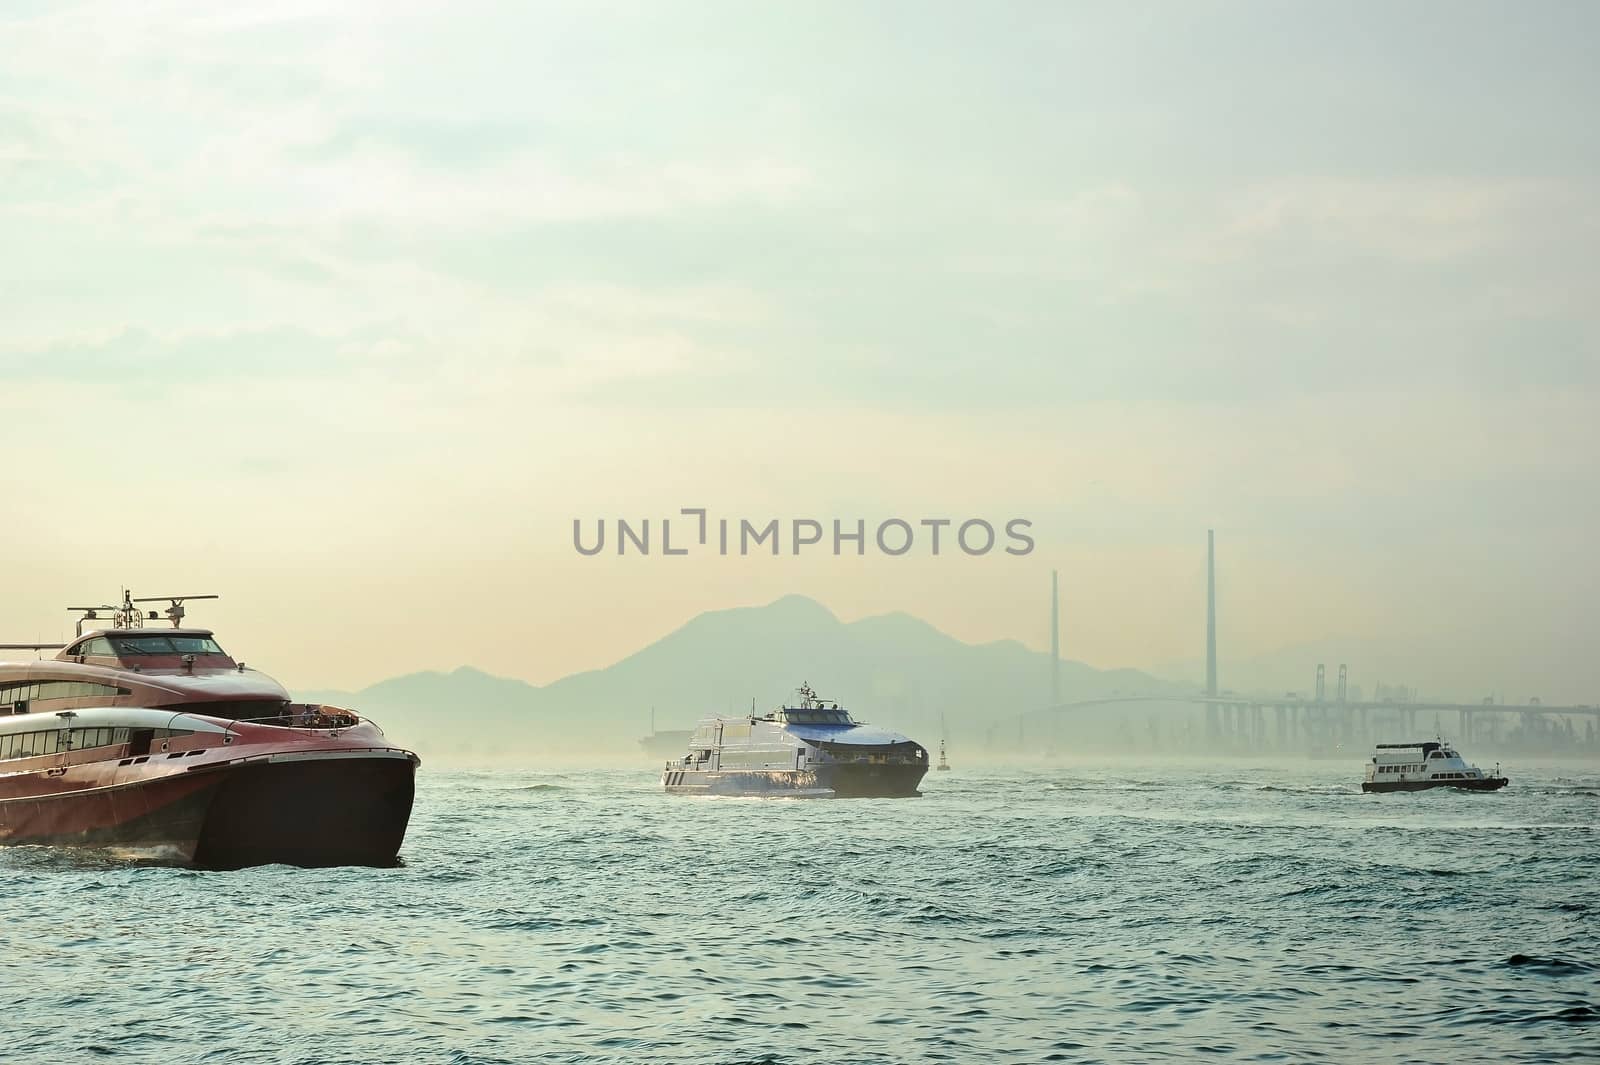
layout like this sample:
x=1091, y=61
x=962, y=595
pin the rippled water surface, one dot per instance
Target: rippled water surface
x=1071, y=914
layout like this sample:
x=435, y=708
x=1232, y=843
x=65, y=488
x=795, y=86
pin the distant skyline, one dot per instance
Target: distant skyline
x=346, y=312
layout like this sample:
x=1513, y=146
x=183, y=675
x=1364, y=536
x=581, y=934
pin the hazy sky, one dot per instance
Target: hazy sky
x=346, y=311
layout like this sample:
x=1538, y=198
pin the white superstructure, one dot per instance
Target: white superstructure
x=1431, y=764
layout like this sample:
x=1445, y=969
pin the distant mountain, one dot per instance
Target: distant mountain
x=894, y=670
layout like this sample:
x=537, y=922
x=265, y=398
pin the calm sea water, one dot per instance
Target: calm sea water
x=1071, y=914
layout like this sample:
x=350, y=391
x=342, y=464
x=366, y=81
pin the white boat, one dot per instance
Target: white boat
x=1418, y=766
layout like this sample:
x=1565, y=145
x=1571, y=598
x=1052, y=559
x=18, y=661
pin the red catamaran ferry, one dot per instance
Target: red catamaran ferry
x=155, y=740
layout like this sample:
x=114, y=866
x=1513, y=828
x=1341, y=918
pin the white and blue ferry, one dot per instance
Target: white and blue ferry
x=813, y=749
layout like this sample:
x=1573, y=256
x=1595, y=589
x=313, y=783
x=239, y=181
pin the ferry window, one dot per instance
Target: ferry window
x=70, y=689
x=166, y=645
x=90, y=737
x=144, y=645
x=195, y=645
x=97, y=646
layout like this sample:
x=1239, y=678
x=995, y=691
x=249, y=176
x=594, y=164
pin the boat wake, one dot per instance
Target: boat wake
x=161, y=854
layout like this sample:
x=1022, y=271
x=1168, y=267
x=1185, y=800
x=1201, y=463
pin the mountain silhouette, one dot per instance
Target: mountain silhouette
x=893, y=670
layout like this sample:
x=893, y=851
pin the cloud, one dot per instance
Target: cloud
x=137, y=355
x=1410, y=219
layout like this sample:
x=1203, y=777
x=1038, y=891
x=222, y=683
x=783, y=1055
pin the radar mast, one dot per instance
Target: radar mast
x=129, y=616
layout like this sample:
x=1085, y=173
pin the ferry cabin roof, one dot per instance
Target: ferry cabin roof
x=812, y=715
x=144, y=648
x=150, y=667
x=139, y=646
x=1389, y=753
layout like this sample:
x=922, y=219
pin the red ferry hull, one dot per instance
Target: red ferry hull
x=309, y=810
x=163, y=815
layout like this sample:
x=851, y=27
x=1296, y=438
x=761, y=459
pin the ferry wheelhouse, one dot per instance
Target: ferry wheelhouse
x=1418, y=766
x=812, y=749
x=157, y=741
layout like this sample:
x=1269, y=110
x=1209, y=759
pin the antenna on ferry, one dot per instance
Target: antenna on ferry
x=174, y=612
x=128, y=616
x=90, y=613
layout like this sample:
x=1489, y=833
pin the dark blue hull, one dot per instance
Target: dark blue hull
x=855, y=781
